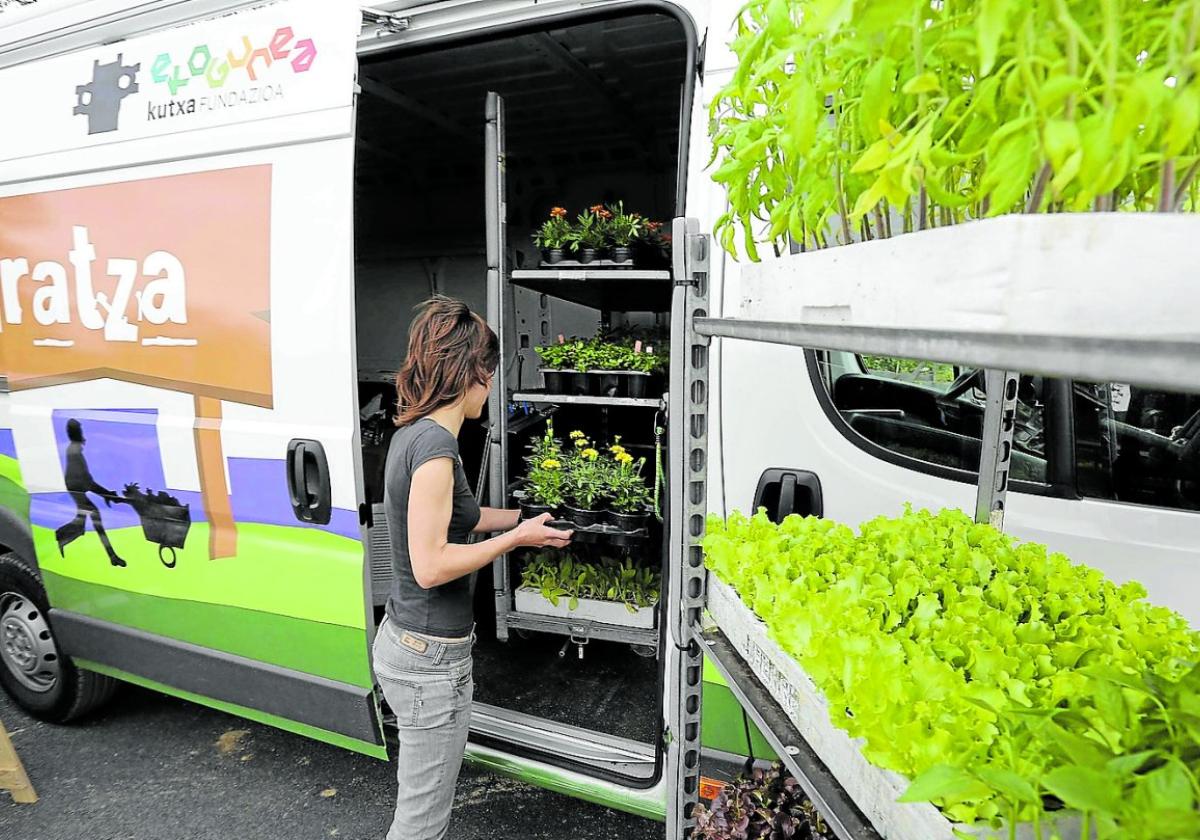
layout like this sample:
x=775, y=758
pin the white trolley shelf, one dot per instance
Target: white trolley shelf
x=1091, y=297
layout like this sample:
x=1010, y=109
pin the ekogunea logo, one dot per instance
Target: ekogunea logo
x=205, y=79
x=211, y=79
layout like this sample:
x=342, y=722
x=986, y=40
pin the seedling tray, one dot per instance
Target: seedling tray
x=872, y=789
x=586, y=609
x=602, y=533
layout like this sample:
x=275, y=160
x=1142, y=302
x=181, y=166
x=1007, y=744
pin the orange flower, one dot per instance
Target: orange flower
x=653, y=225
x=600, y=211
x=558, y=212
x=596, y=209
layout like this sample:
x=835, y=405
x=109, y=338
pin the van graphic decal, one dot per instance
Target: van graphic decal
x=79, y=484
x=161, y=282
x=252, y=58
x=100, y=99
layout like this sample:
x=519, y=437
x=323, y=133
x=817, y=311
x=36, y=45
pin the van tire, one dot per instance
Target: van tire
x=75, y=692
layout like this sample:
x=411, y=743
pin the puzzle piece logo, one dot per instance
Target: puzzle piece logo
x=100, y=99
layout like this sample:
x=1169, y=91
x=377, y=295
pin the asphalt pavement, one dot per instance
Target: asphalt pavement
x=151, y=767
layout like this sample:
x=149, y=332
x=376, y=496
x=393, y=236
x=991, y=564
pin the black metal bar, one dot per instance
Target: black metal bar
x=826, y=793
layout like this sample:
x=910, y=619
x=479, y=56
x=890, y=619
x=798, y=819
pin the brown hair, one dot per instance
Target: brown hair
x=450, y=348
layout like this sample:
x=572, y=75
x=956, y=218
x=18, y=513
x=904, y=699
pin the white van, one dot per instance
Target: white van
x=215, y=219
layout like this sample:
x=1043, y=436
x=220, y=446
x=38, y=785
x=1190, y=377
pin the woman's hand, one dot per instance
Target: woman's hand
x=534, y=533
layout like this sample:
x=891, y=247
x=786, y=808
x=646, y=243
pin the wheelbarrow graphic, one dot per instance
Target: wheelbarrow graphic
x=164, y=520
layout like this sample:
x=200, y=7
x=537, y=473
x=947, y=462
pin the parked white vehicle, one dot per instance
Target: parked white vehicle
x=215, y=218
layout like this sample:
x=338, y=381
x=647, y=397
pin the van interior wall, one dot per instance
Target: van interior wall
x=592, y=116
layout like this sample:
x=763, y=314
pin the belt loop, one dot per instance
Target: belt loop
x=441, y=651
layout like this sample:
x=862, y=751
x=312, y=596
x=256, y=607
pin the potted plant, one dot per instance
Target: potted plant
x=607, y=363
x=585, y=356
x=553, y=236
x=556, y=364
x=653, y=245
x=585, y=482
x=589, y=234
x=629, y=505
x=642, y=365
x=623, y=230
x=544, y=476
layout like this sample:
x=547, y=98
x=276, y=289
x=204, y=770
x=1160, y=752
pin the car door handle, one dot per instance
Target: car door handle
x=308, y=481
x=783, y=492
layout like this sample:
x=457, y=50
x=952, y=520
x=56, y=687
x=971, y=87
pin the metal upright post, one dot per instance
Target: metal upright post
x=995, y=451
x=495, y=223
x=688, y=448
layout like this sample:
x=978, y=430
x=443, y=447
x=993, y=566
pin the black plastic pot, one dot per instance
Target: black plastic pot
x=629, y=521
x=622, y=254
x=586, y=255
x=555, y=381
x=584, y=383
x=636, y=383
x=609, y=382
x=532, y=510
x=551, y=256
x=583, y=517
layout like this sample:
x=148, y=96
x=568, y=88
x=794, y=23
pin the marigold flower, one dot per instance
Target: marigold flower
x=624, y=458
x=596, y=209
x=558, y=212
x=580, y=443
x=590, y=454
x=617, y=449
x=550, y=464
x=576, y=435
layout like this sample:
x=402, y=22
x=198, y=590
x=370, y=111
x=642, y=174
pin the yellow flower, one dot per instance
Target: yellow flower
x=624, y=458
x=617, y=450
x=580, y=443
x=590, y=454
x=576, y=435
x=550, y=464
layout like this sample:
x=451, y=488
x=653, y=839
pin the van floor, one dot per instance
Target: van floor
x=611, y=690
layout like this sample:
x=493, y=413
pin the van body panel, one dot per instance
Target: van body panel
x=177, y=313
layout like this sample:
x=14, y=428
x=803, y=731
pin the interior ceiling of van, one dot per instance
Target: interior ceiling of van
x=597, y=96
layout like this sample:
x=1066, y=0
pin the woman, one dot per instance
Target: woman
x=422, y=652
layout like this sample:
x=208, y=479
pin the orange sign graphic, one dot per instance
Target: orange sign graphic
x=163, y=282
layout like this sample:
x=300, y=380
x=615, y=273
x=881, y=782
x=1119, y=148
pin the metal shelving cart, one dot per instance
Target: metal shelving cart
x=1115, y=310
x=606, y=289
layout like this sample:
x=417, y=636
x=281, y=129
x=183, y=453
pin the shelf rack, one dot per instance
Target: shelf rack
x=576, y=629
x=576, y=399
x=1093, y=297
x=825, y=792
x=606, y=289
x=600, y=286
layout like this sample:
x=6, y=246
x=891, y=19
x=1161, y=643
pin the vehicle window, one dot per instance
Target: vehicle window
x=930, y=413
x=1137, y=445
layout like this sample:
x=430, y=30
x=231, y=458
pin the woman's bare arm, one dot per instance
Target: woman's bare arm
x=496, y=519
x=435, y=560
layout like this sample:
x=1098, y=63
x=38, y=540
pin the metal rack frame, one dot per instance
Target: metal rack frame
x=600, y=287
x=1169, y=362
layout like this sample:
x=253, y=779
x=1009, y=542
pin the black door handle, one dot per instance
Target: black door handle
x=783, y=492
x=308, y=481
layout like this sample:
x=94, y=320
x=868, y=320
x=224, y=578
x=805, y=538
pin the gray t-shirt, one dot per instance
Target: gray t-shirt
x=445, y=610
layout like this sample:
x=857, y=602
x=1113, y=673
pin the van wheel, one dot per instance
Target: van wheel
x=42, y=682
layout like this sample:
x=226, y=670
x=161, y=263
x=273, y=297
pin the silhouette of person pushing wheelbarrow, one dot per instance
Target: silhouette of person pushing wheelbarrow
x=79, y=483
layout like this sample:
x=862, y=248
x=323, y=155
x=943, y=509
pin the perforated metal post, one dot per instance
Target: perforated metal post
x=688, y=437
x=995, y=452
x=496, y=216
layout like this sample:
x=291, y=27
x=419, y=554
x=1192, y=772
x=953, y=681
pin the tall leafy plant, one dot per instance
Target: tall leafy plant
x=848, y=120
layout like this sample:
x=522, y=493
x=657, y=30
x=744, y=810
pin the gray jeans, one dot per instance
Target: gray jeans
x=430, y=692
